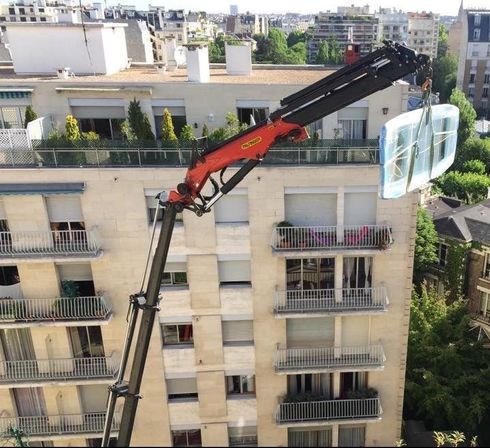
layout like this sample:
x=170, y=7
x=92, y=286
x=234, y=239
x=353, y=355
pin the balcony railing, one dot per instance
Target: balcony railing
x=57, y=369
x=52, y=242
x=481, y=318
x=111, y=154
x=331, y=237
x=318, y=411
x=55, y=425
x=331, y=300
x=243, y=441
x=59, y=309
x=328, y=358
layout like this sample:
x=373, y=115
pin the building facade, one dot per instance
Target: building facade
x=256, y=320
x=469, y=40
x=393, y=25
x=423, y=32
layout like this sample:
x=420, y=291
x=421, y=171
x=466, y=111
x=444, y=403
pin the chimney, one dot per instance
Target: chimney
x=238, y=57
x=197, y=62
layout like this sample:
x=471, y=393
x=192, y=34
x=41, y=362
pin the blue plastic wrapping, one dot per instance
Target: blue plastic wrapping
x=415, y=147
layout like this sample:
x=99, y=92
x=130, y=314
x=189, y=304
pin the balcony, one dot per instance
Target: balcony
x=57, y=426
x=62, y=311
x=67, y=371
x=359, y=238
x=329, y=359
x=311, y=413
x=57, y=244
x=316, y=302
x=112, y=153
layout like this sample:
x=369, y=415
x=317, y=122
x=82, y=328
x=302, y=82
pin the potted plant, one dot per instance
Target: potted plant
x=284, y=235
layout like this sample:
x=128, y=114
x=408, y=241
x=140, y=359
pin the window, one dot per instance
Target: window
x=237, y=332
x=151, y=205
x=442, y=254
x=471, y=93
x=12, y=11
x=76, y=280
x=23, y=19
x=86, y=342
x=310, y=273
x=234, y=272
x=179, y=119
x=485, y=92
x=242, y=435
x=486, y=78
x=472, y=78
x=477, y=19
x=43, y=19
x=486, y=272
x=357, y=272
x=240, y=385
x=476, y=34
x=311, y=383
x=352, y=435
x=181, y=388
x=233, y=207
x=353, y=129
x=352, y=381
x=177, y=334
x=189, y=437
x=175, y=274
x=12, y=117
x=9, y=275
x=485, y=304
x=250, y=115
x=109, y=128
x=41, y=9
x=22, y=11
x=98, y=442
x=13, y=19
x=302, y=437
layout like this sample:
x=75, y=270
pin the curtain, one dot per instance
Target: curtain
x=17, y=344
x=325, y=384
x=30, y=401
x=76, y=343
x=349, y=264
x=351, y=436
x=310, y=438
x=367, y=270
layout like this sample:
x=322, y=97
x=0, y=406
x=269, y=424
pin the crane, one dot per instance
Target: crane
x=371, y=73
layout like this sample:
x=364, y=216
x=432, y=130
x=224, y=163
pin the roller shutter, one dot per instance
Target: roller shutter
x=234, y=271
x=311, y=209
x=238, y=331
x=311, y=332
x=360, y=208
x=64, y=208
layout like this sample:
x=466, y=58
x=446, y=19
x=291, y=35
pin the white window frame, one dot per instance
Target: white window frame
x=185, y=343
x=243, y=379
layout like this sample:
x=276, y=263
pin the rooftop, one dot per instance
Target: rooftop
x=148, y=74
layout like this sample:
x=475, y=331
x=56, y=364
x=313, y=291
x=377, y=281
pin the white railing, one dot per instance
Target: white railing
x=62, y=308
x=365, y=408
x=332, y=237
x=51, y=242
x=243, y=441
x=331, y=300
x=57, y=369
x=51, y=425
x=295, y=359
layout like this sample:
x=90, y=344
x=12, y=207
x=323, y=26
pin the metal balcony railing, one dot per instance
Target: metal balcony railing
x=328, y=358
x=332, y=237
x=311, y=411
x=243, y=441
x=331, y=300
x=51, y=242
x=66, y=369
x=59, y=309
x=55, y=425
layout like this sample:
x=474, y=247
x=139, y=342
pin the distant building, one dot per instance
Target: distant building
x=469, y=41
x=362, y=28
x=233, y=10
x=393, y=25
x=246, y=25
x=423, y=32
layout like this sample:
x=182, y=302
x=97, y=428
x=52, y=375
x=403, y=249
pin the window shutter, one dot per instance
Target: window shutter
x=311, y=209
x=232, y=208
x=355, y=331
x=231, y=271
x=174, y=266
x=360, y=208
x=64, y=208
x=312, y=332
x=100, y=112
x=242, y=431
x=182, y=386
x=238, y=331
x=76, y=272
x=3, y=215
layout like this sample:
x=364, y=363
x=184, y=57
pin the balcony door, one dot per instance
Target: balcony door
x=66, y=219
x=310, y=273
x=351, y=382
x=319, y=384
x=86, y=342
x=30, y=402
x=357, y=272
x=17, y=344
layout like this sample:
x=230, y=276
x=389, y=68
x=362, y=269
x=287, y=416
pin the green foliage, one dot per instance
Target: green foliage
x=127, y=132
x=276, y=49
x=233, y=127
x=139, y=122
x=186, y=135
x=72, y=131
x=455, y=268
x=216, y=50
x=323, y=55
x=467, y=115
x=329, y=52
x=469, y=187
x=69, y=288
x=444, y=77
x=90, y=136
x=448, y=373
x=426, y=242
x=442, y=43
x=205, y=130
x=168, y=132
x=29, y=116
x=295, y=37
x=474, y=166
x=473, y=149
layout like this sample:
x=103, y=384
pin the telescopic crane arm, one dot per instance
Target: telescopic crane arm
x=351, y=83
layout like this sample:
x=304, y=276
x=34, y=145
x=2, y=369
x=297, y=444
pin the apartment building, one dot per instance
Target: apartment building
x=357, y=26
x=469, y=41
x=268, y=334
x=393, y=25
x=246, y=25
x=423, y=32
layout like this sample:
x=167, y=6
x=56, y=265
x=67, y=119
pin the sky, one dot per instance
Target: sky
x=446, y=7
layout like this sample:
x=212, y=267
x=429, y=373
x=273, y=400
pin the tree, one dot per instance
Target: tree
x=448, y=371
x=186, y=134
x=127, y=132
x=296, y=54
x=277, y=46
x=262, y=47
x=168, y=133
x=426, y=242
x=442, y=43
x=29, y=116
x=473, y=149
x=469, y=187
x=295, y=37
x=444, y=76
x=323, y=54
x=139, y=122
x=467, y=115
x=233, y=127
x=72, y=131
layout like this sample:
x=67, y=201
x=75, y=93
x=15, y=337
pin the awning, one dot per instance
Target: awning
x=14, y=94
x=42, y=188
